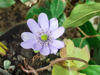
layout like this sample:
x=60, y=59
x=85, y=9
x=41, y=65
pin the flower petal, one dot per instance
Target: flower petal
x=53, y=24
x=57, y=33
x=43, y=21
x=33, y=26
x=37, y=46
x=45, y=50
x=27, y=44
x=26, y=36
x=53, y=50
x=57, y=44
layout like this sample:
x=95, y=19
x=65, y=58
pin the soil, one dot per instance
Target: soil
x=11, y=16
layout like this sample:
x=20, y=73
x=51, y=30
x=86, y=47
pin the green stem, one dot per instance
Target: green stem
x=82, y=31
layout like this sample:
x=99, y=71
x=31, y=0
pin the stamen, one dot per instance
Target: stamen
x=44, y=37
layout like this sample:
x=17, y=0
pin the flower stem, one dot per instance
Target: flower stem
x=86, y=36
x=82, y=31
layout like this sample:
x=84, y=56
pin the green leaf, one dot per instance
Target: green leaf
x=81, y=14
x=70, y=67
x=92, y=70
x=94, y=42
x=7, y=64
x=36, y=10
x=89, y=30
x=90, y=2
x=57, y=7
x=96, y=55
x=98, y=28
x=33, y=12
x=79, y=42
x=6, y=3
x=71, y=51
x=92, y=62
x=58, y=70
x=61, y=19
x=23, y=1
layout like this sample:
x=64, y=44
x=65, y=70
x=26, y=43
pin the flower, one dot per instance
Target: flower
x=43, y=35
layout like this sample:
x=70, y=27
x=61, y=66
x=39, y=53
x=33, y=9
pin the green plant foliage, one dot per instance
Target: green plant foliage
x=33, y=12
x=61, y=19
x=6, y=3
x=23, y=1
x=90, y=1
x=80, y=42
x=98, y=28
x=72, y=51
x=57, y=7
x=58, y=70
x=94, y=42
x=81, y=14
x=92, y=70
x=7, y=64
x=89, y=30
x=92, y=62
x=96, y=55
x=71, y=66
x=36, y=10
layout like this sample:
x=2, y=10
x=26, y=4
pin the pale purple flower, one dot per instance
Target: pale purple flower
x=43, y=35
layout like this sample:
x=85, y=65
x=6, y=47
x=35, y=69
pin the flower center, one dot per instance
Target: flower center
x=44, y=37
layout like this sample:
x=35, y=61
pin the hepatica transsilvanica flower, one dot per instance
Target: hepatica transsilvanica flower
x=43, y=35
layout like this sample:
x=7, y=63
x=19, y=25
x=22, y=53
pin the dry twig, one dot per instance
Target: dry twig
x=32, y=70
